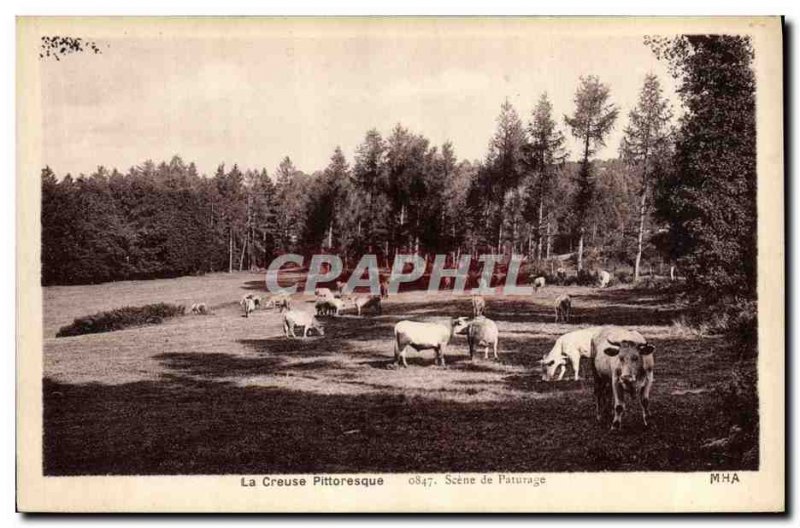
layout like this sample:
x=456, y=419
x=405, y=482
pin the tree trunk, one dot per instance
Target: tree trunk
x=330, y=236
x=580, y=251
x=672, y=272
x=539, y=229
x=230, y=250
x=241, y=257
x=637, y=266
x=549, y=238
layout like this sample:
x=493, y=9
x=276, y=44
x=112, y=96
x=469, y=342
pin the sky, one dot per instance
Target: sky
x=254, y=100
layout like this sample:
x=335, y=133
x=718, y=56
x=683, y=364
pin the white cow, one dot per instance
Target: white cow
x=421, y=336
x=604, y=278
x=481, y=332
x=294, y=318
x=571, y=346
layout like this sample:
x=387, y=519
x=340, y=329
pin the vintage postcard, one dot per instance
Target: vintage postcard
x=383, y=264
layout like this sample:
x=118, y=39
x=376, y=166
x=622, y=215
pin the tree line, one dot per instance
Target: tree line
x=681, y=192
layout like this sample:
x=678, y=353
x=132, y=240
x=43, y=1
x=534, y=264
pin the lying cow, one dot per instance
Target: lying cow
x=623, y=364
x=481, y=332
x=330, y=306
x=199, y=309
x=563, y=307
x=362, y=302
x=421, y=336
x=603, y=278
x=478, y=305
x=294, y=318
x=572, y=347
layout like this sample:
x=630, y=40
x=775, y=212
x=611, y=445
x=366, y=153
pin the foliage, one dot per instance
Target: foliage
x=708, y=198
x=121, y=318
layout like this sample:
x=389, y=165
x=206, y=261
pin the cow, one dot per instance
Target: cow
x=623, y=364
x=538, y=282
x=481, y=332
x=422, y=336
x=294, y=318
x=561, y=274
x=571, y=346
x=329, y=306
x=384, y=289
x=199, y=309
x=563, y=307
x=478, y=305
x=604, y=278
x=282, y=302
x=248, y=305
x=367, y=301
x=323, y=293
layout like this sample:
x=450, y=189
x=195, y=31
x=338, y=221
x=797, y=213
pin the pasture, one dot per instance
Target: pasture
x=224, y=394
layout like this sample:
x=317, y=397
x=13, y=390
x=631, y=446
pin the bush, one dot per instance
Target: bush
x=586, y=278
x=623, y=276
x=121, y=318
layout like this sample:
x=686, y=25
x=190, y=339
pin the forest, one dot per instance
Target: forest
x=679, y=196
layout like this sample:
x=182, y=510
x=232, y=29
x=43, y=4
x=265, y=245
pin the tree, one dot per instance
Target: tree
x=709, y=199
x=369, y=177
x=504, y=164
x=645, y=144
x=542, y=155
x=593, y=119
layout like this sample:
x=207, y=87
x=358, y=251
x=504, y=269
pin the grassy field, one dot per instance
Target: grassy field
x=224, y=394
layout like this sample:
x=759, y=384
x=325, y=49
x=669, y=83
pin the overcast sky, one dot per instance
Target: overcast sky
x=253, y=101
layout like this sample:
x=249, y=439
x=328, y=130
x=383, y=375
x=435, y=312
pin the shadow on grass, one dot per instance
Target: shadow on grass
x=193, y=426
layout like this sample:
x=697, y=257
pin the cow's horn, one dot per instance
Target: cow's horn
x=613, y=343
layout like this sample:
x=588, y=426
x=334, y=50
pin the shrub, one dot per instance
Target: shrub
x=623, y=276
x=586, y=278
x=121, y=318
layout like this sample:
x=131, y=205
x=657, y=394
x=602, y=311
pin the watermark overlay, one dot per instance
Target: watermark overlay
x=406, y=268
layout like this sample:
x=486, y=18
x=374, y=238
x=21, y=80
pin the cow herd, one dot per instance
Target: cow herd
x=621, y=360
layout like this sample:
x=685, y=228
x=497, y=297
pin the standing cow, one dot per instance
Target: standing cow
x=603, y=278
x=563, y=307
x=538, y=282
x=623, y=364
x=481, y=332
x=478, y=305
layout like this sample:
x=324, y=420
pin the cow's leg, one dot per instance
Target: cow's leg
x=396, y=353
x=486, y=352
x=441, y=350
x=286, y=329
x=495, y=349
x=618, y=394
x=556, y=314
x=576, y=366
x=644, y=399
x=471, y=345
x=600, y=398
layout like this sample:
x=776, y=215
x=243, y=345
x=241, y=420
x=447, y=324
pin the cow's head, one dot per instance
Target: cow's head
x=629, y=354
x=460, y=324
x=551, y=366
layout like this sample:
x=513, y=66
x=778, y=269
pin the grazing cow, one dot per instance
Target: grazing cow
x=571, y=346
x=604, y=278
x=478, y=305
x=538, y=282
x=248, y=305
x=623, y=364
x=294, y=318
x=363, y=302
x=329, y=306
x=199, y=309
x=561, y=274
x=563, y=307
x=481, y=332
x=421, y=336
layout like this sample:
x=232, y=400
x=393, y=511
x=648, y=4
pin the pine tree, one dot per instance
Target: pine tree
x=593, y=119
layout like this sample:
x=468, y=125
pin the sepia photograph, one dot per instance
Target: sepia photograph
x=400, y=264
